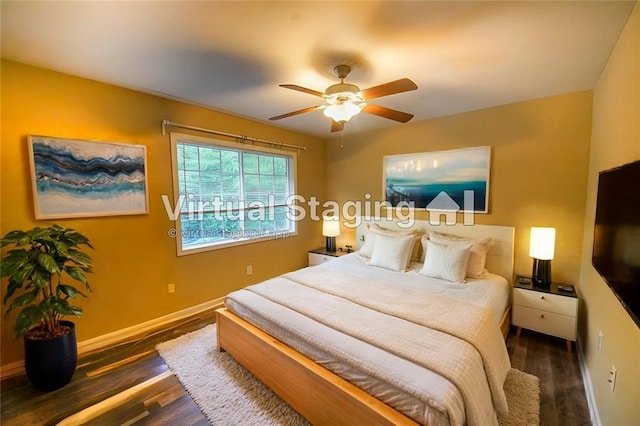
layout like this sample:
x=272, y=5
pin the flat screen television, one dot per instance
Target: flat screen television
x=616, y=239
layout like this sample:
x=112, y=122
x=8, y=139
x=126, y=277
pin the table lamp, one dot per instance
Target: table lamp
x=331, y=229
x=541, y=249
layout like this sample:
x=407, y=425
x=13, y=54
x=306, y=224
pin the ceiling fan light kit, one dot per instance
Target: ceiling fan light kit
x=345, y=100
x=342, y=111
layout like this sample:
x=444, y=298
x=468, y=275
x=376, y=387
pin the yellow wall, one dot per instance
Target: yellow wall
x=135, y=259
x=538, y=177
x=615, y=141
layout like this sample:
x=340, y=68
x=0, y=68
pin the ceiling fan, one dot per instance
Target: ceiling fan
x=344, y=100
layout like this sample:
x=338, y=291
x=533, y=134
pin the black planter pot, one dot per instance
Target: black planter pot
x=50, y=363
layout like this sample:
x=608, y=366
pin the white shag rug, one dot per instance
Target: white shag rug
x=228, y=394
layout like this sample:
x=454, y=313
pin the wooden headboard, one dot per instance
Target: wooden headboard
x=499, y=258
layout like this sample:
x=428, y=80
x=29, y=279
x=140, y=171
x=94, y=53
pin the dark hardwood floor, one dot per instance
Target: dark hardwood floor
x=130, y=384
x=563, y=399
x=104, y=376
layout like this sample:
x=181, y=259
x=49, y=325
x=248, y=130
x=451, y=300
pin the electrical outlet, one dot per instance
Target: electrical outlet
x=612, y=378
x=249, y=269
x=171, y=288
x=600, y=336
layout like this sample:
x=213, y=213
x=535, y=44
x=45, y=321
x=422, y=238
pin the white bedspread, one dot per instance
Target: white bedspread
x=402, y=314
x=492, y=292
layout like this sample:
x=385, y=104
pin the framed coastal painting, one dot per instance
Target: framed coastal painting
x=80, y=178
x=454, y=180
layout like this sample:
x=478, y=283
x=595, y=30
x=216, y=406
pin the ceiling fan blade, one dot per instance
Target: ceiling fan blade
x=300, y=111
x=303, y=89
x=389, y=113
x=336, y=127
x=390, y=88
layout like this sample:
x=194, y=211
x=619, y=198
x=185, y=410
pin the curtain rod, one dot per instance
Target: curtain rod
x=240, y=138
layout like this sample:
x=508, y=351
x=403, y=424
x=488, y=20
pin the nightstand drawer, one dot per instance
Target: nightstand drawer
x=545, y=302
x=317, y=259
x=545, y=322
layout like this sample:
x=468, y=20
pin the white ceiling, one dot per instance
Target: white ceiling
x=231, y=56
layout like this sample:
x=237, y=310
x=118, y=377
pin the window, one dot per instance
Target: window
x=229, y=194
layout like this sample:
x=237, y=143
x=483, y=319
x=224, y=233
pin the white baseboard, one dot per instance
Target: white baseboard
x=588, y=387
x=106, y=340
x=12, y=369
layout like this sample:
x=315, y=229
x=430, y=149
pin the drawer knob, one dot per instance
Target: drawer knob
x=541, y=297
x=542, y=316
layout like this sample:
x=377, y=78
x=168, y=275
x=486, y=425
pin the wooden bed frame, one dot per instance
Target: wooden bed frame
x=319, y=395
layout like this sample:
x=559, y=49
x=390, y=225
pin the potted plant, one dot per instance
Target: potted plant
x=36, y=267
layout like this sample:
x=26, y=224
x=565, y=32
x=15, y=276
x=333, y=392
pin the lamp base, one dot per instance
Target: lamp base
x=541, y=275
x=331, y=244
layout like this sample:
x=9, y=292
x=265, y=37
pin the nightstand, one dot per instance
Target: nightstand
x=546, y=310
x=321, y=255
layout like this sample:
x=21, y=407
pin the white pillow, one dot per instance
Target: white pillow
x=370, y=239
x=423, y=243
x=447, y=262
x=477, y=256
x=369, y=242
x=392, y=251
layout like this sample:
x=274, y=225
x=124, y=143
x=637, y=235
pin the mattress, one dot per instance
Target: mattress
x=401, y=381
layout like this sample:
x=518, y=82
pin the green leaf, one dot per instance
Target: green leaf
x=78, y=238
x=11, y=289
x=27, y=318
x=13, y=237
x=80, y=258
x=23, y=299
x=77, y=274
x=64, y=308
x=61, y=248
x=14, y=260
x=40, y=277
x=75, y=310
x=49, y=303
x=24, y=272
x=69, y=291
x=47, y=245
x=39, y=233
x=49, y=263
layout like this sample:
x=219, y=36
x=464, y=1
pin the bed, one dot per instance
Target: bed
x=347, y=342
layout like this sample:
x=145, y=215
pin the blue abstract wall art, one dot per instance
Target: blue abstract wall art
x=453, y=180
x=78, y=178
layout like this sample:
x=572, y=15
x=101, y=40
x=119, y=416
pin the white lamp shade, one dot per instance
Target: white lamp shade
x=330, y=227
x=341, y=112
x=542, y=243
